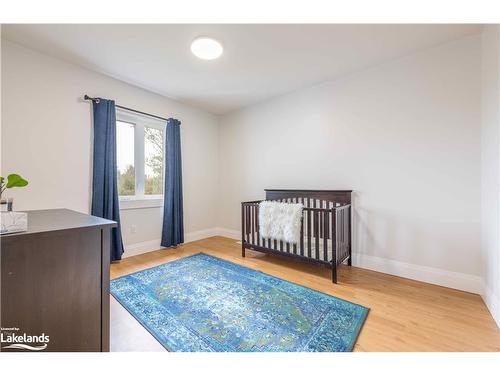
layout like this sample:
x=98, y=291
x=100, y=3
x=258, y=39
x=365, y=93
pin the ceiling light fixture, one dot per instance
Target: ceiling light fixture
x=206, y=48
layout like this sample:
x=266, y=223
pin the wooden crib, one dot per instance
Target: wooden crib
x=325, y=228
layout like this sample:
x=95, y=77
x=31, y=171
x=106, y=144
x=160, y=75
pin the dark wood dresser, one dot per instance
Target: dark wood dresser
x=55, y=280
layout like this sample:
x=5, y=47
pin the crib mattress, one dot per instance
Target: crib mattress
x=321, y=252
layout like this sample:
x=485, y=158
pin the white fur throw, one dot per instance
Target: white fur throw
x=280, y=221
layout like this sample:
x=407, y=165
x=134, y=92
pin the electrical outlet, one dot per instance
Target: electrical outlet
x=133, y=229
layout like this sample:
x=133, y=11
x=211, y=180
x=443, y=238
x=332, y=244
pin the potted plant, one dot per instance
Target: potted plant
x=13, y=180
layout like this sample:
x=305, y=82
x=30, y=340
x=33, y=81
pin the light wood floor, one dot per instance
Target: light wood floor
x=405, y=315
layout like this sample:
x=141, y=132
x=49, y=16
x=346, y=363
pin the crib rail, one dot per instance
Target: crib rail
x=325, y=232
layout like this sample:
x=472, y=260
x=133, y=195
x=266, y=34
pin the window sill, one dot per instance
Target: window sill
x=139, y=203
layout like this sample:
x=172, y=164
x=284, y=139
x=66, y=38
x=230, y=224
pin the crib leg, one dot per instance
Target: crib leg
x=349, y=261
x=334, y=274
x=243, y=250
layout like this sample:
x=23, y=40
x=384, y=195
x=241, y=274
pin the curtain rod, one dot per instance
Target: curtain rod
x=86, y=97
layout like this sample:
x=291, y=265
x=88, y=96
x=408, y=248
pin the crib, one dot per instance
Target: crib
x=326, y=235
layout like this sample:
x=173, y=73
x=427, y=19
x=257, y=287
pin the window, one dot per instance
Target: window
x=153, y=163
x=140, y=145
x=125, y=158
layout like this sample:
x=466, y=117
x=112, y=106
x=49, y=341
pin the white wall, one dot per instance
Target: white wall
x=490, y=168
x=46, y=131
x=404, y=135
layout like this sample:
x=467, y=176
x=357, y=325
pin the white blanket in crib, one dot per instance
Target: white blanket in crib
x=280, y=221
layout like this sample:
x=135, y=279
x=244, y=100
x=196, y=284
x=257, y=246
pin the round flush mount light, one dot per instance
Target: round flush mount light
x=206, y=48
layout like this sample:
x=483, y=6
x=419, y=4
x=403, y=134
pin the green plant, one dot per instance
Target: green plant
x=13, y=180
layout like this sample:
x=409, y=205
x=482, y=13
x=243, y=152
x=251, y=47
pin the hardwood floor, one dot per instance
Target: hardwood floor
x=405, y=315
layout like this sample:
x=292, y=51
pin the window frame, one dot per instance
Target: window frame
x=141, y=200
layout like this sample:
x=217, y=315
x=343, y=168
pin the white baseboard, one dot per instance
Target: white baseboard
x=200, y=234
x=492, y=303
x=141, y=248
x=229, y=233
x=153, y=245
x=431, y=275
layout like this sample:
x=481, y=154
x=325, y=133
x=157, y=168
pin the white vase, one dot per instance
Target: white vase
x=12, y=222
x=6, y=204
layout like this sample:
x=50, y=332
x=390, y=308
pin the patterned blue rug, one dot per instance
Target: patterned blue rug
x=202, y=303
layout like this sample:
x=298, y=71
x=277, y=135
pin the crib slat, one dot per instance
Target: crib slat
x=250, y=228
x=291, y=201
x=341, y=244
x=302, y=233
x=320, y=216
x=343, y=232
x=252, y=223
x=346, y=230
x=328, y=207
x=339, y=229
x=323, y=232
x=254, y=233
x=325, y=238
x=320, y=230
x=315, y=229
x=257, y=223
x=247, y=220
x=316, y=232
x=339, y=232
x=255, y=228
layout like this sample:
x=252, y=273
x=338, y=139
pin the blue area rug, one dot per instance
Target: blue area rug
x=202, y=303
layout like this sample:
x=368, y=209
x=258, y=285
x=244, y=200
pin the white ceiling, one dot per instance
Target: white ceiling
x=259, y=61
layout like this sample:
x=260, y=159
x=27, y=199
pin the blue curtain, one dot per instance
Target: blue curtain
x=104, y=184
x=173, y=218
